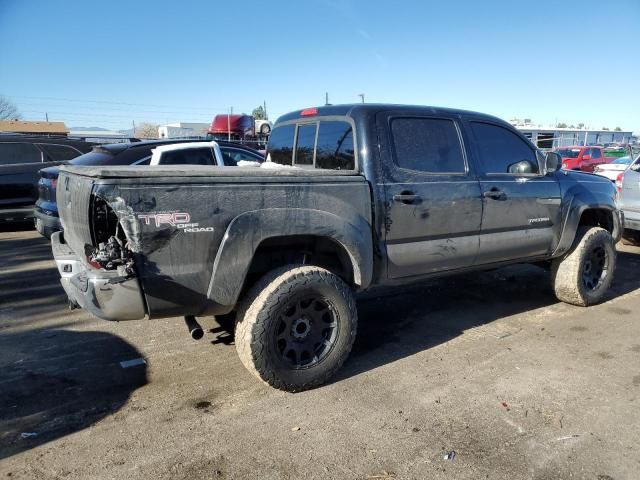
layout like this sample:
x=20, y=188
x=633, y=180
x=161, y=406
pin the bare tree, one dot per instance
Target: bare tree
x=259, y=113
x=146, y=130
x=8, y=111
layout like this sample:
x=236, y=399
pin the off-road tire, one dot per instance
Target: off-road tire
x=265, y=129
x=259, y=319
x=567, y=271
x=631, y=237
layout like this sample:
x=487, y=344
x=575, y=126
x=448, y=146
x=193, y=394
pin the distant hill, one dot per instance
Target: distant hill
x=90, y=128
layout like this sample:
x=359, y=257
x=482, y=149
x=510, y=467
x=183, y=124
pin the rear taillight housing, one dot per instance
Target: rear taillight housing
x=619, y=180
x=54, y=182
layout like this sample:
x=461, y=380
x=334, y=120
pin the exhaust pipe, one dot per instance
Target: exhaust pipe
x=195, y=330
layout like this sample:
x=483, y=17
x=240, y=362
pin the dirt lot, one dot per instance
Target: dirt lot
x=489, y=366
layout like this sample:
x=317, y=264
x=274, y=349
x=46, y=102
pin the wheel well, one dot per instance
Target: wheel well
x=299, y=249
x=597, y=217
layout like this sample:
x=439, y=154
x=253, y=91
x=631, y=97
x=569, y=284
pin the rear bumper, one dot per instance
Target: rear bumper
x=47, y=224
x=106, y=294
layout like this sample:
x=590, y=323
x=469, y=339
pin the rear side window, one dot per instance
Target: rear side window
x=595, y=153
x=335, y=149
x=58, y=153
x=192, y=156
x=500, y=148
x=305, y=144
x=11, y=153
x=429, y=145
x=280, y=146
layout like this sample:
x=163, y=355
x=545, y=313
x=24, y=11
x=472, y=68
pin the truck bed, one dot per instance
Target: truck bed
x=193, y=230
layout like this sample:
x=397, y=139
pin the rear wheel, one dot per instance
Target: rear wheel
x=297, y=327
x=583, y=276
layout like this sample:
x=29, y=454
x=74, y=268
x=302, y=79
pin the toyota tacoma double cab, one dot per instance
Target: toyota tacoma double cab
x=356, y=196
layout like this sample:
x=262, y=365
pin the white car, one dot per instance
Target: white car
x=263, y=127
x=205, y=153
x=613, y=169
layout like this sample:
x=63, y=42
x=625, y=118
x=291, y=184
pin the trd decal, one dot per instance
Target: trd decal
x=175, y=219
x=165, y=218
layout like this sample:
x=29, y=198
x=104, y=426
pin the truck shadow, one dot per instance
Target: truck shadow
x=397, y=323
x=53, y=381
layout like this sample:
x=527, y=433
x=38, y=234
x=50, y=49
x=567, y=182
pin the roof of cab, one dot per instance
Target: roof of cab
x=363, y=109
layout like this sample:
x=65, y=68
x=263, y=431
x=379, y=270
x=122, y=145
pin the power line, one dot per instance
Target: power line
x=111, y=102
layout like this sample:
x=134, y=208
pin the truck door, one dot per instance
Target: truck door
x=432, y=203
x=521, y=214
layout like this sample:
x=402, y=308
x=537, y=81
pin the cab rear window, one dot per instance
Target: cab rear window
x=280, y=146
x=324, y=144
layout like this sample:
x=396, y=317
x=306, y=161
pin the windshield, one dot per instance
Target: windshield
x=568, y=152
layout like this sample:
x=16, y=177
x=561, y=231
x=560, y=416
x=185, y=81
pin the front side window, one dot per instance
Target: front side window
x=191, y=156
x=11, y=153
x=335, y=148
x=500, y=149
x=280, y=146
x=429, y=145
x=305, y=144
x=58, y=153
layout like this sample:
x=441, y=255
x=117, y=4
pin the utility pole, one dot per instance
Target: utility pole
x=229, y=123
x=264, y=107
x=361, y=95
x=326, y=98
x=133, y=122
x=46, y=116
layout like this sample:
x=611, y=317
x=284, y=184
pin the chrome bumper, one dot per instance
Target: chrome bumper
x=105, y=294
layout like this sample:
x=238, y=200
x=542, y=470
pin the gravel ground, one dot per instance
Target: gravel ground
x=480, y=376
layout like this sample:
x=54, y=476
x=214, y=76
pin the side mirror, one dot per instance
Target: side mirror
x=521, y=167
x=552, y=162
x=586, y=157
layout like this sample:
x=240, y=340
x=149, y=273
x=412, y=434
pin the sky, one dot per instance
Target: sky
x=108, y=63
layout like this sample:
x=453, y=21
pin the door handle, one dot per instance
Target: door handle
x=495, y=194
x=406, y=198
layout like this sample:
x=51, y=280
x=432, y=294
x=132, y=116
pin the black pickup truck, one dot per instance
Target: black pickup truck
x=365, y=195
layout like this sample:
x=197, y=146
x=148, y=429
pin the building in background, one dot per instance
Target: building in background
x=552, y=137
x=183, y=130
x=34, y=128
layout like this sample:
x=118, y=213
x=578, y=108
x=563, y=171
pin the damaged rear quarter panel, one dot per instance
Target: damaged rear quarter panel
x=175, y=232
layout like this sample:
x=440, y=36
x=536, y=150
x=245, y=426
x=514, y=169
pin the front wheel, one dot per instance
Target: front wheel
x=583, y=276
x=297, y=327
